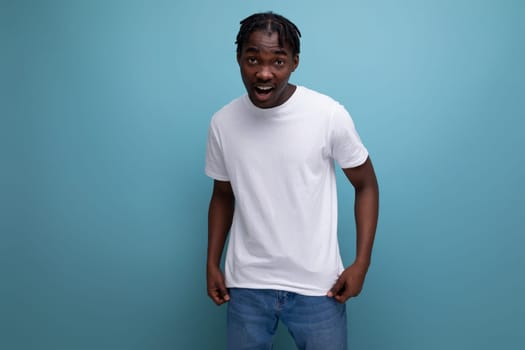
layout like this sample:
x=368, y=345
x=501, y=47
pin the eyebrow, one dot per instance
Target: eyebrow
x=276, y=52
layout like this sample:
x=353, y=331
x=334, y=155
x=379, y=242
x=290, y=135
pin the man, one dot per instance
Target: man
x=271, y=154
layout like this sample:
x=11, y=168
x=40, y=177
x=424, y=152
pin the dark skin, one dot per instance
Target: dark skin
x=265, y=69
x=366, y=209
x=264, y=64
x=220, y=216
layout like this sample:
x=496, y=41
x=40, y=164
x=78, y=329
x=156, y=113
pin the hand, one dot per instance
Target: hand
x=217, y=290
x=349, y=283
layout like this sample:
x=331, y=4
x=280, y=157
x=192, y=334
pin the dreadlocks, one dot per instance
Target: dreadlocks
x=272, y=23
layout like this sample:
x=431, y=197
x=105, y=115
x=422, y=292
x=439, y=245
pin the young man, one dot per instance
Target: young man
x=271, y=154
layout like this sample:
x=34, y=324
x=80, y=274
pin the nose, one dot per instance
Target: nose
x=264, y=73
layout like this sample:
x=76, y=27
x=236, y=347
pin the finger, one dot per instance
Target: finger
x=219, y=295
x=348, y=292
x=336, y=289
x=215, y=296
x=223, y=292
x=344, y=295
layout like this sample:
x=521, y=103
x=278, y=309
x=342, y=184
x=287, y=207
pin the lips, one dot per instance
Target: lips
x=263, y=89
x=263, y=94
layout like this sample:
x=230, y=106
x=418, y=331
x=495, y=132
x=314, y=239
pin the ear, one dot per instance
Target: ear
x=239, y=58
x=295, y=62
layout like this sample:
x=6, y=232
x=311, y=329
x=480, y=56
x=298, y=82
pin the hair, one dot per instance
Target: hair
x=272, y=23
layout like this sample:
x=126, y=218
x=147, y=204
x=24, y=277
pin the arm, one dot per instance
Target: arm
x=220, y=216
x=350, y=282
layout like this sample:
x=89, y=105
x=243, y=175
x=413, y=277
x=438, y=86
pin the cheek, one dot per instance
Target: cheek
x=284, y=76
x=246, y=71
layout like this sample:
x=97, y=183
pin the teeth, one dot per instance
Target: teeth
x=264, y=88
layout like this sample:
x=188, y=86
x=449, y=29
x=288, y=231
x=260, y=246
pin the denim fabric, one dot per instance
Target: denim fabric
x=315, y=322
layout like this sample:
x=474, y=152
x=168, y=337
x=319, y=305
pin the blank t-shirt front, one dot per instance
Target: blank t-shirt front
x=280, y=163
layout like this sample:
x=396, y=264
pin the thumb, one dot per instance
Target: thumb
x=223, y=293
x=336, y=289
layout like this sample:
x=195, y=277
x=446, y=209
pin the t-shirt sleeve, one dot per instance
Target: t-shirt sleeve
x=215, y=165
x=347, y=149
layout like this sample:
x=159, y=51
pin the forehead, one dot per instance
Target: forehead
x=266, y=41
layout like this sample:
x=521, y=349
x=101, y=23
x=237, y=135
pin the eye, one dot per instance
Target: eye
x=279, y=62
x=252, y=60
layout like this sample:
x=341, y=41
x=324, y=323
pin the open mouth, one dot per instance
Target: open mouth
x=263, y=90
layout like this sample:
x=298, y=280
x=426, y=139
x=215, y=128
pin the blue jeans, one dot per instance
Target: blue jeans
x=314, y=322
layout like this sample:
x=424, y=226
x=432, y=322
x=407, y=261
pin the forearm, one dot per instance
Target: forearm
x=366, y=215
x=351, y=280
x=220, y=216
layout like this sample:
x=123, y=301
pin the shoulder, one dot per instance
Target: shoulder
x=317, y=100
x=313, y=96
x=231, y=110
x=310, y=93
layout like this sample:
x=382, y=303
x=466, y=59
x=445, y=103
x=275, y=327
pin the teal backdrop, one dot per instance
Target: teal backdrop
x=104, y=110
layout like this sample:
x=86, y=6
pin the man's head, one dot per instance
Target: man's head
x=267, y=52
x=270, y=22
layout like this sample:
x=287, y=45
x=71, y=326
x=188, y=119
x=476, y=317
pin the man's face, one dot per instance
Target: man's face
x=266, y=68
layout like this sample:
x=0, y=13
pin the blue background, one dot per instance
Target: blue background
x=105, y=107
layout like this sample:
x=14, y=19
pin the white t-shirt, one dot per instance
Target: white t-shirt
x=280, y=163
